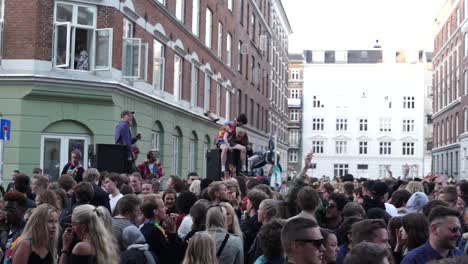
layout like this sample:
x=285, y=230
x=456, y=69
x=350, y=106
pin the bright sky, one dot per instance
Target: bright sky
x=356, y=24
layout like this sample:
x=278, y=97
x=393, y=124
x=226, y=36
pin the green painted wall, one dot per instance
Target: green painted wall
x=36, y=109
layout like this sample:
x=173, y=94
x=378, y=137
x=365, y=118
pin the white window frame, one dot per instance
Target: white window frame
x=228, y=105
x=196, y=17
x=341, y=147
x=218, y=99
x=191, y=155
x=316, y=102
x=408, y=125
x=292, y=156
x=295, y=74
x=208, y=27
x=385, y=124
x=363, y=122
x=294, y=115
x=175, y=154
x=194, y=86
x=64, y=151
x=363, y=147
x=229, y=49
x=294, y=137
x=340, y=169
x=466, y=37
x=180, y=8
x=408, y=102
x=142, y=62
x=385, y=148
x=178, y=78
x=341, y=124
x=407, y=148
x=229, y=5
x=466, y=80
x=220, y=39
x=294, y=93
x=318, y=124
x=206, y=96
x=317, y=146
x=158, y=60
x=155, y=140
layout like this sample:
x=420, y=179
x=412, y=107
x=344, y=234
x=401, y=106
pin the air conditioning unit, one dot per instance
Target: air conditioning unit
x=244, y=49
x=263, y=42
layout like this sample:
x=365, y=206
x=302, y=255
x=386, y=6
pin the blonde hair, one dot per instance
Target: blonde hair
x=235, y=228
x=195, y=187
x=95, y=220
x=414, y=186
x=37, y=231
x=201, y=249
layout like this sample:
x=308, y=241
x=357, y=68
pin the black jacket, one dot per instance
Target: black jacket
x=101, y=197
x=168, y=250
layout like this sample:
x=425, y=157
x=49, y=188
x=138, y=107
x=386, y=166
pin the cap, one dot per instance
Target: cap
x=379, y=188
x=126, y=112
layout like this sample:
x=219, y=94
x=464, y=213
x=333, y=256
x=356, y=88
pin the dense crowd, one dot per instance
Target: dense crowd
x=105, y=217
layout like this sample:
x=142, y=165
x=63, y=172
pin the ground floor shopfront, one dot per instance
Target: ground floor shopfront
x=50, y=119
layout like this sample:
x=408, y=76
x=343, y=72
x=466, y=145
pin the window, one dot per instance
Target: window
x=228, y=105
x=209, y=25
x=408, y=102
x=178, y=67
x=294, y=115
x=363, y=124
x=294, y=137
x=194, y=86
x=317, y=147
x=252, y=24
x=317, y=124
x=294, y=74
x=316, y=102
x=192, y=155
x=239, y=53
x=341, y=147
x=341, y=124
x=466, y=40
x=196, y=17
x=408, y=125
x=220, y=39
x=408, y=148
x=56, y=150
x=241, y=12
x=294, y=93
x=387, y=102
x=180, y=10
x=362, y=166
x=239, y=101
x=229, y=4
x=318, y=56
x=466, y=81
x=362, y=147
x=228, y=49
x=385, y=124
x=383, y=171
x=158, y=65
x=155, y=143
x=293, y=156
x=78, y=43
x=385, y=148
x=340, y=169
x=207, y=92
x=175, y=155
x=218, y=99
x=162, y=2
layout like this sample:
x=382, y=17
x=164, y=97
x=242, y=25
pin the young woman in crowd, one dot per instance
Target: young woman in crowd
x=169, y=197
x=413, y=233
x=201, y=249
x=232, y=222
x=38, y=242
x=96, y=244
x=331, y=246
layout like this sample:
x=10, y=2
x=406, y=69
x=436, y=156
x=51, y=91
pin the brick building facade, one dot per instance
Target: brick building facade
x=69, y=67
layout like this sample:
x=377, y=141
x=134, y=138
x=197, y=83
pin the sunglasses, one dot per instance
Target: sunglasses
x=455, y=229
x=316, y=242
x=331, y=206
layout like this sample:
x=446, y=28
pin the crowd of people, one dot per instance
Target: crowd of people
x=105, y=217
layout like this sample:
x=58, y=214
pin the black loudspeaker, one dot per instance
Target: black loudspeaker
x=213, y=162
x=109, y=157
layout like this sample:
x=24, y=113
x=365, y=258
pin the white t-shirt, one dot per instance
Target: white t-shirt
x=391, y=209
x=185, y=227
x=113, y=201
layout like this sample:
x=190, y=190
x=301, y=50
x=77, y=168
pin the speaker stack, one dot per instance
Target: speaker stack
x=213, y=162
x=108, y=157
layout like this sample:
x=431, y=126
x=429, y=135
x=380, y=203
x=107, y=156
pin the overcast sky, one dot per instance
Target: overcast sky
x=355, y=24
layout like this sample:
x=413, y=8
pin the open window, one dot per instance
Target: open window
x=78, y=43
x=134, y=59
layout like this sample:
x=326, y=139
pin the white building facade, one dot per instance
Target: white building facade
x=362, y=116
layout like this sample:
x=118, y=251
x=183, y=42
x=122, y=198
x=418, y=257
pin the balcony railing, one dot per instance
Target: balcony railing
x=294, y=102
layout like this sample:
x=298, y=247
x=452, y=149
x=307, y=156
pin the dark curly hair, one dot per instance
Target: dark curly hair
x=185, y=201
x=340, y=200
x=270, y=238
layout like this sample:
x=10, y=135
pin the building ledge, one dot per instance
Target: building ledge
x=446, y=108
x=446, y=147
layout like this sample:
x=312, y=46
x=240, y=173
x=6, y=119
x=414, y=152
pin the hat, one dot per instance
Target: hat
x=379, y=188
x=126, y=112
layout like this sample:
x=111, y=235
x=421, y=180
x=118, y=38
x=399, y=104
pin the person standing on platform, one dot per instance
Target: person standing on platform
x=225, y=141
x=123, y=135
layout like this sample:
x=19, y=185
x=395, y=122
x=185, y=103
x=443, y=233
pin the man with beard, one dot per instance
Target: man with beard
x=218, y=193
x=444, y=233
x=334, y=210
